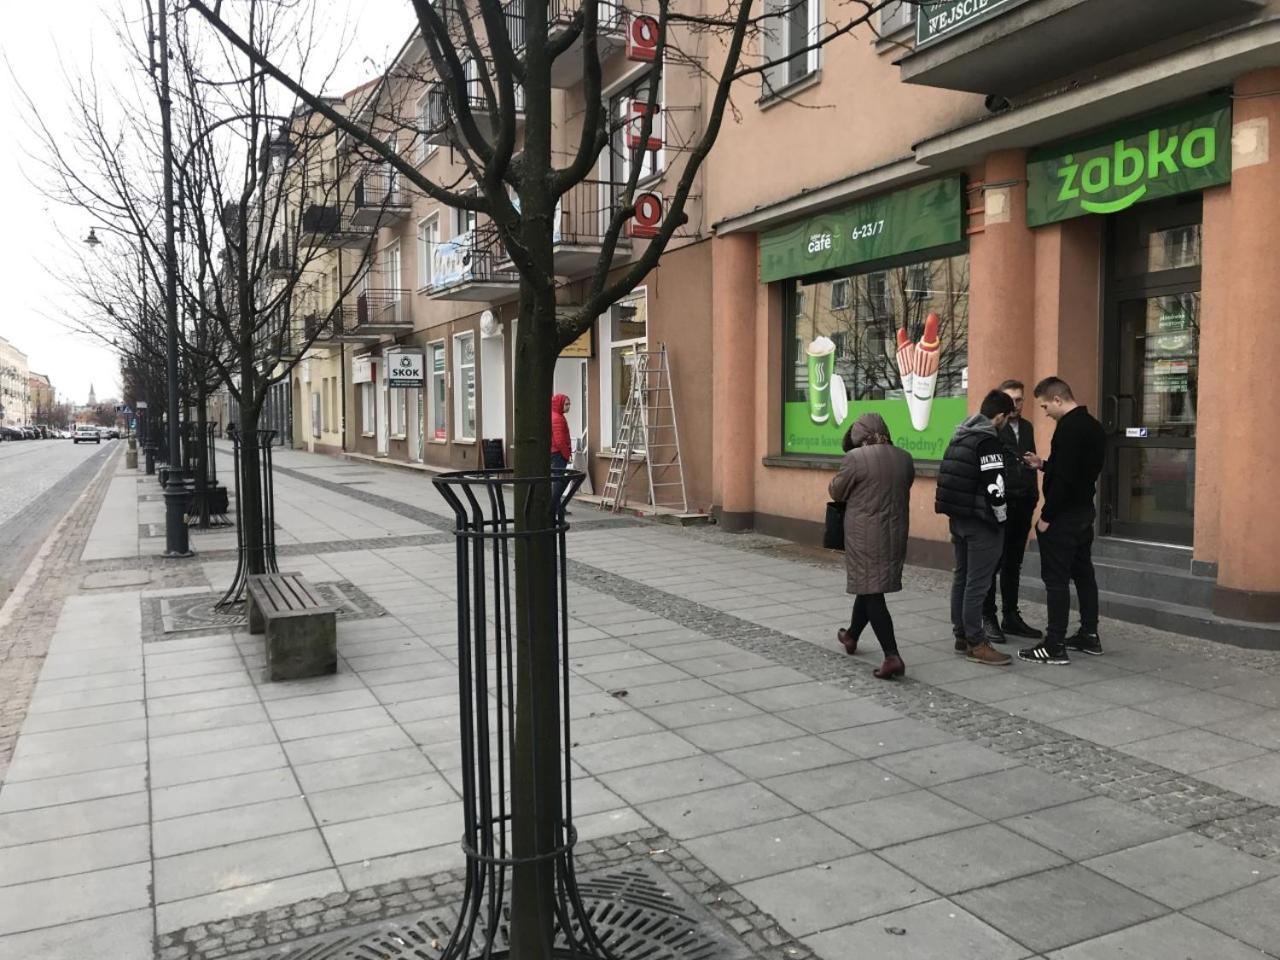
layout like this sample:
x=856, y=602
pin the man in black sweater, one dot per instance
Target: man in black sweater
x=1065, y=528
x=1022, y=491
x=970, y=493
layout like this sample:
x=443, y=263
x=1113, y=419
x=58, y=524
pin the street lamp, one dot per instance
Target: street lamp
x=92, y=239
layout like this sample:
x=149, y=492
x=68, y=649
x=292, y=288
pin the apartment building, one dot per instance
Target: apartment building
x=15, y=390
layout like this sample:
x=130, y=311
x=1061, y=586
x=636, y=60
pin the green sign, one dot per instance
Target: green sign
x=916, y=218
x=943, y=17
x=800, y=434
x=1178, y=151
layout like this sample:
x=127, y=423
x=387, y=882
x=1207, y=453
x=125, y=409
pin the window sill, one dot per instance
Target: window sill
x=790, y=90
x=466, y=442
x=366, y=435
x=439, y=443
x=900, y=41
x=399, y=436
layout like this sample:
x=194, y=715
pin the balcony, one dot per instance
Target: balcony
x=329, y=226
x=1017, y=45
x=280, y=261
x=566, y=71
x=371, y=315
x=379, y=200
x=582, y=218
x=469, y=267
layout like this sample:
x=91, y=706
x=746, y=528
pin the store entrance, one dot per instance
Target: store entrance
x=1151, y=339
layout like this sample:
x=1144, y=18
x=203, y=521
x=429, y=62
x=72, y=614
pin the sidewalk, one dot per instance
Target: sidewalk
x=163, y=800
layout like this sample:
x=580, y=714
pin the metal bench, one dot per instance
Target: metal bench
x=301, y=629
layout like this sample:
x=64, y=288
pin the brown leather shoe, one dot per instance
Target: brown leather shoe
x=892, y=667
x=847, y=641
x=987, y=655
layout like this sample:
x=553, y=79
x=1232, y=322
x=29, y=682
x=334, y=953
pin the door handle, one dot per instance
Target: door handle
x=1109, y=420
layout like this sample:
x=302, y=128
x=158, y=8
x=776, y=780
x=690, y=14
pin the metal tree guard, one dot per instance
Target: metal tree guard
x=485, y=505
x=266, y=489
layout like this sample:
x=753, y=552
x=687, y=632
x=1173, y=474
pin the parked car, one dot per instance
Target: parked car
x=10, y=433
x=111, y=433
x=86, y=432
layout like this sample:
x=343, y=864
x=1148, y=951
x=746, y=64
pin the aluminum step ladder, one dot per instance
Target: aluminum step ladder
x=650, y=417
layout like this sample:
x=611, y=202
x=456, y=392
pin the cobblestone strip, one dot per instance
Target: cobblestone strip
x=25, y=634
x=1176, y=798
x=343, y=911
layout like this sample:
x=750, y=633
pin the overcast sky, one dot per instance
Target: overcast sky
x=40, y=241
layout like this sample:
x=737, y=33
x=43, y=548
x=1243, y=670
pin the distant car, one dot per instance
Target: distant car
x=10, y=433
x=30, y=433
x=85, y=432
x=113, y=433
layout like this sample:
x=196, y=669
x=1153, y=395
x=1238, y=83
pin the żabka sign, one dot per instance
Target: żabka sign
x=1175, y=152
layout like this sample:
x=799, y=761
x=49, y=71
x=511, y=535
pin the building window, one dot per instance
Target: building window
x=839, y=294
x=464, y=221
x=315, y=415
x=425, y=120
x=368, y=411
x=398, y=411
x=790, y=27
x=920, y=390
x=626, y=330
x=428, y=239
x=896, y=15
x=464, y=386
x=436, y=388
x=652, y=162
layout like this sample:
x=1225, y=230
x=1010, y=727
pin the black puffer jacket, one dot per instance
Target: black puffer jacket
x=971, y=477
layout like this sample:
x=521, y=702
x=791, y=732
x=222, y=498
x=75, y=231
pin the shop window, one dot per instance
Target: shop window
x=368, y=412
x=627, y=330
x=464, y=386
x=436, y=391
x=854, y=351
x=652, y=162
x=790, y=29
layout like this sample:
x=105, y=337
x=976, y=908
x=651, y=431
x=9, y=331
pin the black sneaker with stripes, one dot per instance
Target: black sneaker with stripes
x=1042, y=653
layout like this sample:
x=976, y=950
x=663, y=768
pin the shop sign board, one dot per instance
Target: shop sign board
x=905, y=221
x=940, y=18
x=580, y=347
x=1176, y=151
x=404, y=368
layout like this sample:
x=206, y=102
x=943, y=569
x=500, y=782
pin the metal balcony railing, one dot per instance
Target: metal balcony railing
x=379, y=188
x=473, y=258
x=331, y=225
x=584, y=213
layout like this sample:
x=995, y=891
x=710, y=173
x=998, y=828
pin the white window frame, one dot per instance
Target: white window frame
x=460, y=391
x=425, y=149
x=843, y=285
x=443, y=377
x=776, y=40
x=368, y=409
x=428, y=239
x=607, y=346
x=895, y=16
x=399, y=413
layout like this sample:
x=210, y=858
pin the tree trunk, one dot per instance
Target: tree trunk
x=250, y=479
x=202, y=459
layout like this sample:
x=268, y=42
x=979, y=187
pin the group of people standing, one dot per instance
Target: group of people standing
x=988, y=488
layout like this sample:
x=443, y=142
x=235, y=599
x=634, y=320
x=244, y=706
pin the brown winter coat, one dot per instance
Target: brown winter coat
x=875, y=481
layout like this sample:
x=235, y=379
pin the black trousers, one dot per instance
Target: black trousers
x=1016, y=529
x=1066, y=558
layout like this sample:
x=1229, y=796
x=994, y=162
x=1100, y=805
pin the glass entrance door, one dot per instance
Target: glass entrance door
x=1150, y=374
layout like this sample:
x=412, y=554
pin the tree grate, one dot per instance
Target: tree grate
x=635, y=910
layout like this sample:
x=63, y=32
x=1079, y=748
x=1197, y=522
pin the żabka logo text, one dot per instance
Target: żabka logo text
x=1128, y=165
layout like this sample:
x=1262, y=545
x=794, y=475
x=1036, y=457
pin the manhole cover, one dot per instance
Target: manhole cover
x=192, y=612
x=636, y=910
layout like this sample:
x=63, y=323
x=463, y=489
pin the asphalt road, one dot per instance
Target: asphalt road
x=39, y=481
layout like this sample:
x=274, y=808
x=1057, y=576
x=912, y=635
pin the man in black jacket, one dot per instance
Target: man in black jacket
x=971, y=492
x=1022, y=491
x=1065, y=529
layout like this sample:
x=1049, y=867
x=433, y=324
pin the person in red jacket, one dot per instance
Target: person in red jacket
x=561, y=443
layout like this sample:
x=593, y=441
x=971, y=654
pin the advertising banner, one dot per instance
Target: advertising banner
x=801, y=435
x=1176, y=151
x=451, y=260
x=916, y=218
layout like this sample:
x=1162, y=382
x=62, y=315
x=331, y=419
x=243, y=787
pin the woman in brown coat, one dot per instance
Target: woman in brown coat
x=874, y=482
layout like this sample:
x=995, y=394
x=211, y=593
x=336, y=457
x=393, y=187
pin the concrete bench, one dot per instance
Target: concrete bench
x=301, y=629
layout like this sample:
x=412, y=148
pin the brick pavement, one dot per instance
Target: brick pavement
x=813, y=809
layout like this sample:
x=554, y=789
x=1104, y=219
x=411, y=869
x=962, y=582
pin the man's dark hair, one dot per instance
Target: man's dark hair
x=995, y=403
x=1051, y=388
x=1012, y=385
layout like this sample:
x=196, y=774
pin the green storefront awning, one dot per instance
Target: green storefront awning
x=1176, y=151
x=915, y=218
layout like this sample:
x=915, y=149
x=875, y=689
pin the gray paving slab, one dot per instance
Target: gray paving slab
x=367, y=768
x=729, y=734
x=690, y=713
x=216, y=766
x=218, y=739
x=778, y=699
x=780, y=757
x=1090, y=828
x=648, y=748
x=186, y=875
x=972, y=857
x=249, y=898
x=714, y=811
x=1162, y=939
x=768, y=848
x=335, y=746
x=671, y=778
x=1260, y=729
x=838, y=785
x=393, y=833
x=219, y=827
x=72, y=788
x=196, y=721
x=929, y=766
x=829, y=896
x=385, y=796
x=903, y=817
x=73, y=819
x=1249, y=915
x=1183, y=870
x=838, y=715
x=1007, y=793
x=1190, y=751
x=891, y=736
x=82, y=896
x=222, y=793
x=1116, y=726
x=122, y=935
x=1058, y=704
x=1258, y=778
x=1045, y=911
x=1205, y=707
x=71, y=855
x=33, y=765
x=937, y=930
x=84, y=717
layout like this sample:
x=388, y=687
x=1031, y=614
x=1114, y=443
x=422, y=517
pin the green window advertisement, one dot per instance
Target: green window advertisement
x=891, y=341
x=905, y=221
x=1177, y=151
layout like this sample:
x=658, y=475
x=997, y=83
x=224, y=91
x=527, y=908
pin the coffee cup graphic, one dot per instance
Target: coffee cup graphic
x=821, y=355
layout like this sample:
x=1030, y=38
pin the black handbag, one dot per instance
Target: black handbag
x=833, y=530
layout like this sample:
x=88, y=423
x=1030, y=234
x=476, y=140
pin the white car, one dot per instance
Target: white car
x=86, y=432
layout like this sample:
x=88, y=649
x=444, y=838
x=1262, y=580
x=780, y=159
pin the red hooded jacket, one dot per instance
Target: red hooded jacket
x=561, y=442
